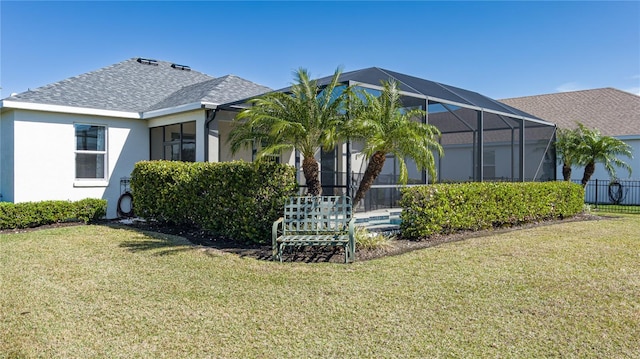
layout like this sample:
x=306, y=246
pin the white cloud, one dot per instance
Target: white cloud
x=633, y=90
x=570, y=86
x=633, y=87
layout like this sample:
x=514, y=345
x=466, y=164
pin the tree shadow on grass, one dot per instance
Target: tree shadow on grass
x=163, y=247
x=192, y=238
x=163, y=244
x=171, y=240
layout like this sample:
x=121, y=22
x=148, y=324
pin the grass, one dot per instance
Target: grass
x=613, y=208
x=565, y=290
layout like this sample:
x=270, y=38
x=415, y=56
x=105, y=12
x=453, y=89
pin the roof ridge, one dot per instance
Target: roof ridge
x=93, y=72
x=130, y=85
x=215, y=90
x=68, y=79
x=218, y=82
x=623, y=91
x=567, y=92
x=386, y=72
x=225, y=78
x=182, y=89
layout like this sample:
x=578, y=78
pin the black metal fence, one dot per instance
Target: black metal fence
x=381, y=195
x=621, y=196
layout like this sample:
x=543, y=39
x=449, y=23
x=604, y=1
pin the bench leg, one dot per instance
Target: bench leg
x=349, y=254
x=277, y=252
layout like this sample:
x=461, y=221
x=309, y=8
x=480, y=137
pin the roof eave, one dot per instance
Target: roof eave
x=177, y=109
x=18, y=105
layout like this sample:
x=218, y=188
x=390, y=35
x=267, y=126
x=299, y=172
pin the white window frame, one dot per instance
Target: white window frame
x=91, y=182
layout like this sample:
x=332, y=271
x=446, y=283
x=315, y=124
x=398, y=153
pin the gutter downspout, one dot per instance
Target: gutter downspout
x=210, y=116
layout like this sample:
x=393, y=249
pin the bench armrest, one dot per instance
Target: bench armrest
x=352, y=226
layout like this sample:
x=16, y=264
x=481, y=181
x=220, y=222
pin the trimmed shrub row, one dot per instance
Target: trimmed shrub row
x=238, y=200
x=33, y=214
x=447, y=208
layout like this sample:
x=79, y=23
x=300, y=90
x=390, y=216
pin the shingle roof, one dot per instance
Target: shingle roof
x=613, y=112
x=134, y=86
x=221, y=90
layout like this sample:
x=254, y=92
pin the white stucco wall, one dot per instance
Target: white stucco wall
x=44, y=148
x=225, y=155
x=219, y=149
x=358, y=161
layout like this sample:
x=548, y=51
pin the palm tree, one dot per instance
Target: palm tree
x=567, y=143
x=306, y=119
x=386, y=127
x=596, y=148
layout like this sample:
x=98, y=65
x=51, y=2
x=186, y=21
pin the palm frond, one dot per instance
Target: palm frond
x=385, y=126
x=272, y=150
x=306, y=118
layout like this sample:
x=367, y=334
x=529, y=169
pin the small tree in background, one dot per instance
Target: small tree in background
x=567, y=143
x=595, y=148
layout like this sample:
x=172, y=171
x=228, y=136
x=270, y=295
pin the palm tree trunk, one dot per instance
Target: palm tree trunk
x=566, y=172
x=370, y=174
x=588, y=172
x=310, y=169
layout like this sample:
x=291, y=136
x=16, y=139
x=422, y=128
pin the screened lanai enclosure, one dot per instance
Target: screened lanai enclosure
x=483, y=140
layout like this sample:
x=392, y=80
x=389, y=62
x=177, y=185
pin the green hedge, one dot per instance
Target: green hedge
x=447, y=208
x=33, y=214
x=238, y=200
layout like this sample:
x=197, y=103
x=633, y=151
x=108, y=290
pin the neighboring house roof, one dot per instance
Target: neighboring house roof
x=613, y=112
x=140, y=85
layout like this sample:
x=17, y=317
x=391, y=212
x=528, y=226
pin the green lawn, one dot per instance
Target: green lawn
x=612, y=208
x=563, y=290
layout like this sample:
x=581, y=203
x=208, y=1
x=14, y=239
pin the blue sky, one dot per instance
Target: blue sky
x=500, y=49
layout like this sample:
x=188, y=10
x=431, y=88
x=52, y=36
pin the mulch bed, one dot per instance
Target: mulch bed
x=308, y=254
x=323, y=254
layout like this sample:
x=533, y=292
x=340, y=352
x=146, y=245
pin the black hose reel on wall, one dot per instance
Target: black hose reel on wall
x=125, y=201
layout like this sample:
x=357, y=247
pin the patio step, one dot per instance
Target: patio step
x=385, y=221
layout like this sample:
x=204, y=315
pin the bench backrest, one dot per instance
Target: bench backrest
x=316, y=214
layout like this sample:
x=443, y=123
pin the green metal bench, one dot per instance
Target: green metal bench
x=315, y=221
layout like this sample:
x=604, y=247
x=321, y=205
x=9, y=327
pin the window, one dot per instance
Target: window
x=174, y=142
x=489, y=166
x=91, y=152
x=275, y=158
